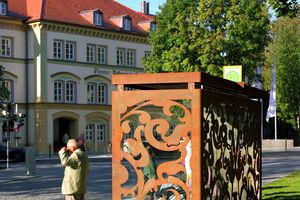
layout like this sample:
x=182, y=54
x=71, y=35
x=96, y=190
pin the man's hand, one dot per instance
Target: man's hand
x=63, y=149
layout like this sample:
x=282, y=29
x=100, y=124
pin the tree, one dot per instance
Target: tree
x=288, y=8
x=4, y=92
x=172, y=42
x=205, y=35
x=286, y=43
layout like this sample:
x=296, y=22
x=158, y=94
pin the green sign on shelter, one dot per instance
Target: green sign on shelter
x=233, y=73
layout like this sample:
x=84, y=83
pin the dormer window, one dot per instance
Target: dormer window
x=149, y=25
x=3, y=8
x=98, y=18
x=153, y=26
x=122, y=21
x=127, y=23
x=95, y=16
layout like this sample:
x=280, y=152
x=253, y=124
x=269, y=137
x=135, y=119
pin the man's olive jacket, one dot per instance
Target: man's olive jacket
x=76, y=171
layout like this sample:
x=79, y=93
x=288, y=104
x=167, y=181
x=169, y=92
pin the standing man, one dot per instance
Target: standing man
x=65, y=138
x=75, y=161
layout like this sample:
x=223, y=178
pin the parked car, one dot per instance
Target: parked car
x=16, y=154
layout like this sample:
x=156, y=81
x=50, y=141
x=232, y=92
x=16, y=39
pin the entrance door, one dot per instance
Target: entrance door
x=64, y=128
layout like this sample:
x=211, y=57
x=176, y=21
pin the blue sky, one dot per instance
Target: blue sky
x=154, y=4
x=136, y=4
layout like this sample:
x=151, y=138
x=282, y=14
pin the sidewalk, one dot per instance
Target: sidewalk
x=271, y=150
x=18, y=172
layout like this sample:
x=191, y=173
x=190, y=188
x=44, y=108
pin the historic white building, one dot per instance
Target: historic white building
x=59, y=57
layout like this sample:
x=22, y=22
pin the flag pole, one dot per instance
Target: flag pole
x=275, y=118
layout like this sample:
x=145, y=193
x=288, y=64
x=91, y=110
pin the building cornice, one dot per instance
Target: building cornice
x=13, y=60
x=95, y=65
x=66, y=106
x=75, y=63
x=90, y=31
x=12, y=24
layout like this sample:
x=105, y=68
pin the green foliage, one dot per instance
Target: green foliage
x=288, y=8
x=287, y=45
x=205, y=35
x=172, y=41
x=288, y=71
x=4, y=93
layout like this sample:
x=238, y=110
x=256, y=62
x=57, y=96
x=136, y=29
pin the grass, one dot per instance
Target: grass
x=287, y=188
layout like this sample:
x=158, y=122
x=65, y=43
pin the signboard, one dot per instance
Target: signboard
x=233, y=73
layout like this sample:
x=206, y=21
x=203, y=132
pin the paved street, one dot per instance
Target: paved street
x=276, y=164
x=45, y=184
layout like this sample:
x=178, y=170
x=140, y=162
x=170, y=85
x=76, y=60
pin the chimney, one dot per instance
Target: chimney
x=145, y=7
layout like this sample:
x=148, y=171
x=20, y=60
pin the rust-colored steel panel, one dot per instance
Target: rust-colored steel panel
x=231, y=147
x=180, y=80
x=156, y=125
x=185, y=136
x=157, y=78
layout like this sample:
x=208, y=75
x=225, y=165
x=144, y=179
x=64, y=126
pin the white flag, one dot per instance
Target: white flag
x=272, y=100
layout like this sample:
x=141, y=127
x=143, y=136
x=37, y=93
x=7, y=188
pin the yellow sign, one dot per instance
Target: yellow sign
x=233, y=73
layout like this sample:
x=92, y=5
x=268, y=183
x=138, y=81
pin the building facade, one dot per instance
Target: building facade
x=59, y=58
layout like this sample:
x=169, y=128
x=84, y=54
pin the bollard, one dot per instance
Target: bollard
x=30, y=160
x=285, y=144
x=49, y=150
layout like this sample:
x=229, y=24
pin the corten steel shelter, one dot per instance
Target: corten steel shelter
x=201, y=134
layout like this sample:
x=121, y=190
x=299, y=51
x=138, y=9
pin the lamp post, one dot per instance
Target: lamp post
x=10, y=115
x=8, y=123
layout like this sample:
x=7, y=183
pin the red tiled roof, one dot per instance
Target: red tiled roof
x=68, y=11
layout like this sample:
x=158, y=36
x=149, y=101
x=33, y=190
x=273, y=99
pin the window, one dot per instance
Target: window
x=120, y=56
x=91, y=93
x=147, y=54
x=3, y=8
x=63, y=50
x=126, y=23
x=95, y=130
x=130, y=61
x=70, y=50
x=153, y=26
x=57, y=49
x=58, y=91
x=97, y=93
x=101, y=93
x=9, y=84
x=70, y=91
x=89, y=132
x=98, y=18
x=101, y=54
x=96, y=53
x=100, y=132
x=6, y=47
x=90, y=53
x=64, y=91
